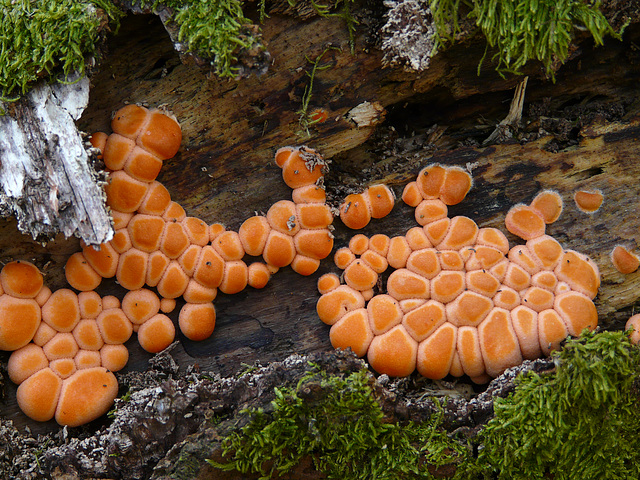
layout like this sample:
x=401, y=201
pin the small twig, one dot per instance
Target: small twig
x=305, y=121
x=512, y=120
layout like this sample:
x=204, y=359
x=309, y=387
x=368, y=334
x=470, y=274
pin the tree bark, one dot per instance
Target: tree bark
x=580, y=132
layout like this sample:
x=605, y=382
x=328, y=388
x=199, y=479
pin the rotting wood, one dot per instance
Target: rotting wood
x=47, y=178
x=269, y=324
x=166, y=429
x=232, y=129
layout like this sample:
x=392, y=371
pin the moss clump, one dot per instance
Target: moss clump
x=212, y=29
x=581, y=422
x=40, y=39
x=578, y=422
x=218, y=30
x=523, y=30
x=342, y=428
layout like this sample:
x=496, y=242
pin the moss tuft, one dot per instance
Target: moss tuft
x=339, y=423
x=212, y=29
x=580, y=422
x=40, y=39
x=524, y=30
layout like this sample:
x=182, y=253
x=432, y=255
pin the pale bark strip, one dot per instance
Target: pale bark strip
x=47, y=180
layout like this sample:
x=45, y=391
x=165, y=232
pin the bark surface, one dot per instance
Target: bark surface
x=580, y=132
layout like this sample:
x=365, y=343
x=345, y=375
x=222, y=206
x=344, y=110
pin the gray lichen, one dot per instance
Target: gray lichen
x=408, y=35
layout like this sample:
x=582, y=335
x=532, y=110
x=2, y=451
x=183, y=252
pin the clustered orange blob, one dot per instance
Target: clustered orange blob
x=358, y=209
x=155, y=242
x=66, y=371
x=158, y=245
x=77, y=339
x=293, y=232
x=530, y=221
x=460, y=301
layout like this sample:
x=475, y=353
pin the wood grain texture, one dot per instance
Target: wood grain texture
x=224, y=171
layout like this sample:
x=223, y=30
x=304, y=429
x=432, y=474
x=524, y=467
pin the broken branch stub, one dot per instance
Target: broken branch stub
x=46, y=178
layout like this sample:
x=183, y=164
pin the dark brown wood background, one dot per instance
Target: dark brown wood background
x=224, y=171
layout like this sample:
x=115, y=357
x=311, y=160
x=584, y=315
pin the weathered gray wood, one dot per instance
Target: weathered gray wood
x=47, y=178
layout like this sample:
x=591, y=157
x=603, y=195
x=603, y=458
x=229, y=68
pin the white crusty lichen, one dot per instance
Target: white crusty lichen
x=408, y=35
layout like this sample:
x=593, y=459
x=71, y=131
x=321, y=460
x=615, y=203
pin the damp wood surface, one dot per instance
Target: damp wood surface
x=224, y=171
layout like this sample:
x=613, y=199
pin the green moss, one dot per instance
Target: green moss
x=46, y=38
x=342, y=428
x=212, y=29
x=581, y=422
x=41, y=39
x=38, y=39
x=524, y=30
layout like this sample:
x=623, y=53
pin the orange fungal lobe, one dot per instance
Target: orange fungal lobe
x=157, y=333
x=525, y=222
x=352, y=331
x=197, y=321
x=355, y=211
x=625, y=261
x=80, y=274
x=430, y=181
x=381, y=200
x=588, y=201
x=456, y=185
x=548, y=204
x=21, y=279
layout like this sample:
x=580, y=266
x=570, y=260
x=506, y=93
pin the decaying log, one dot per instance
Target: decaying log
x=164, y=429
x=581, y=132
x=47, y=179
x=268, y=325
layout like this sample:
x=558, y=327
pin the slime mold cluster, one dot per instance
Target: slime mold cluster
x=459, y=301
x=66, y=345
